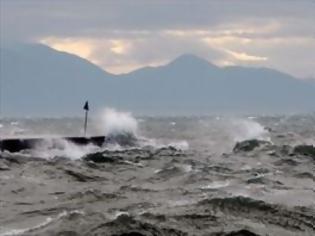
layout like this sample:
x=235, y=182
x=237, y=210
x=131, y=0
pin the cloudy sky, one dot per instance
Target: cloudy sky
x=121, y=36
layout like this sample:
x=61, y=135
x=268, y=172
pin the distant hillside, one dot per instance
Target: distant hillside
x=38, y=80
x=193, y=84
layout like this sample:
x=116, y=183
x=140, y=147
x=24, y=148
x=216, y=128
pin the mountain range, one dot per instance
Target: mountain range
x=37, y=80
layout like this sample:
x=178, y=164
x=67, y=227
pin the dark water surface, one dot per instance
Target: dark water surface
x=181, y=178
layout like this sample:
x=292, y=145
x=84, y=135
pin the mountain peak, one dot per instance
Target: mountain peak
x=190, y=60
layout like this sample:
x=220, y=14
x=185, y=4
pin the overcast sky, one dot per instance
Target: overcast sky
x=121, y=36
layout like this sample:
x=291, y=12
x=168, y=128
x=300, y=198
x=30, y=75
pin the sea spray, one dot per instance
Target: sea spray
x=115, y=122
x=119, y=127
x=244, y=129
x=123, y=128
x=50, y=148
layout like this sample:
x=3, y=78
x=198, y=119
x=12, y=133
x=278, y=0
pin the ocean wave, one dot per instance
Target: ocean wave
x=26, y=231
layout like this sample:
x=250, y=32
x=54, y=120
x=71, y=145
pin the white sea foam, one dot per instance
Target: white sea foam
x=118, y=214
x=159, y=143
x=181, y=202
x=180, y=144
x=187, y=168
x=216, y=185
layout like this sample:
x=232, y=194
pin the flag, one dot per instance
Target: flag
x=86, y=106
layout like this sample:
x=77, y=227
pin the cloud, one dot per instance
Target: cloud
x=94, y=18
x=120, y=46
x=242, y=56
x=121, y=53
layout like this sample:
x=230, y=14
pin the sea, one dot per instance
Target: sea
x=178, y=176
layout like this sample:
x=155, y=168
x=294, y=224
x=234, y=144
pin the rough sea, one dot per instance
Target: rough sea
x=180, y=176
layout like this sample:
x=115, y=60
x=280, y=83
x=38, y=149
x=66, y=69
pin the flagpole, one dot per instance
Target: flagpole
x=85, y=122
x=86, y=108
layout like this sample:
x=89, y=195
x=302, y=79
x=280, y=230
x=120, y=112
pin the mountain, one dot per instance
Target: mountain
x=193, y=84
x=38, y=80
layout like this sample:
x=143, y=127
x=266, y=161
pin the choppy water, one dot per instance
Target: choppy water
x=182, y=178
